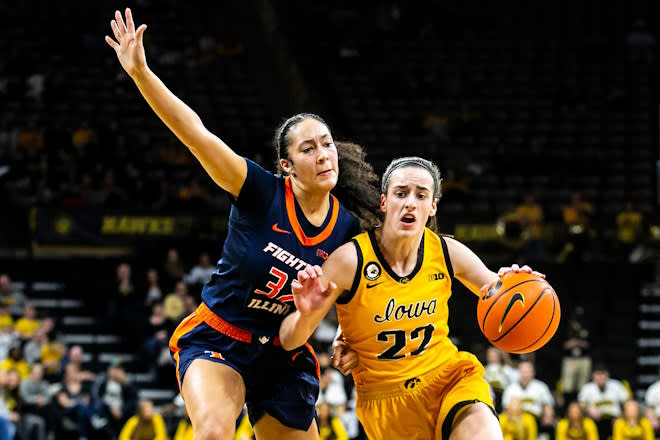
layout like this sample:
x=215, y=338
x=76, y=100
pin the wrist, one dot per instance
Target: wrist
x=140, y=74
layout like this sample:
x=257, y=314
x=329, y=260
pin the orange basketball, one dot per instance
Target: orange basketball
x=519, y=313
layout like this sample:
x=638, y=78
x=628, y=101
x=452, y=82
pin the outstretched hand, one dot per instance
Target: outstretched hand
x=514, y=268
x=308, y=291
x=128, y=43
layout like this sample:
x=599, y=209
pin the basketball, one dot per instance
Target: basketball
x=519, y=313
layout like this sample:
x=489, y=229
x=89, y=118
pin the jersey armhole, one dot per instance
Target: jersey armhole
x=445, y=251
x=346, y=297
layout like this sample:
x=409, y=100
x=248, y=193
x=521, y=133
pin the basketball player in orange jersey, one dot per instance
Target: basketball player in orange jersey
x=391, y=286
x=227, y=352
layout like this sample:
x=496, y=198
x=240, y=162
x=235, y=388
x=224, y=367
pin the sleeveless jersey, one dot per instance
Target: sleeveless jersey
x=398, y=325
x=268, y=242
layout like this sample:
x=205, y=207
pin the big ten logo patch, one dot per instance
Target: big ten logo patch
x=372, y=271
x=436, y=276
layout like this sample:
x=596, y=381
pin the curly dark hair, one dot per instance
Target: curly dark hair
x=357, y=183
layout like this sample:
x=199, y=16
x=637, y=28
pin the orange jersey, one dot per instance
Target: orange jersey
x=398, y=325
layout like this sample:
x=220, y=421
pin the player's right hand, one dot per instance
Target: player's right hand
x=128, y=43
x=309, y=293
x=344, y=358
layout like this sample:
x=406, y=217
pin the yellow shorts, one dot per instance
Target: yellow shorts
x=424, y=407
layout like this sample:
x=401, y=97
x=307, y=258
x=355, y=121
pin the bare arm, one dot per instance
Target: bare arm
x=225, y=167
x=468, y=267
x=315, y=291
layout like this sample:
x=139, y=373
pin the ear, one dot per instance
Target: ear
x=383, y=203
x=285, y=165
x=434, y=207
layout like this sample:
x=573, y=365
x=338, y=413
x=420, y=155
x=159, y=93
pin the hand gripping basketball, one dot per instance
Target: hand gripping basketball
x=520, y=312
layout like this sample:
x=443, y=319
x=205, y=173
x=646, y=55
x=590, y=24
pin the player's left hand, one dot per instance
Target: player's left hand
x=308, y=291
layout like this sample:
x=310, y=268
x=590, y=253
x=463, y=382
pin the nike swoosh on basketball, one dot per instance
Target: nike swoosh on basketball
x=283, y=231
x=515, y=297
x=370, y=285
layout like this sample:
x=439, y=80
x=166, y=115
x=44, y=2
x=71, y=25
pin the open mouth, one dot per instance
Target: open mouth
x=408, y=218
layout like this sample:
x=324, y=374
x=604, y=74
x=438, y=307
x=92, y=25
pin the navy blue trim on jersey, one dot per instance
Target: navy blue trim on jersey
x=401, y=279
x=346, y=297
x=445, y=251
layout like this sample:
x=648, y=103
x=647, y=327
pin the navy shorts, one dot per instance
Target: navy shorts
x=284, y=384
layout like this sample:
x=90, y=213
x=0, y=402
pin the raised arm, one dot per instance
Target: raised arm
x=314, y=293
x=225, y=167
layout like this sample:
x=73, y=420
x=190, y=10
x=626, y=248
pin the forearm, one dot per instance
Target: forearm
x=296, y=329
x=224, y=166
x=178, y=117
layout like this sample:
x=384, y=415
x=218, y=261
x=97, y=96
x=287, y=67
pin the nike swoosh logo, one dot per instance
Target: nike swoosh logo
x=370, y=285
x=515, y=297
x=283, y=231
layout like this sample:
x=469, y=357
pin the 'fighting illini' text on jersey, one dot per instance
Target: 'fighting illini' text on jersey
x=398, y=324
x=268, y=241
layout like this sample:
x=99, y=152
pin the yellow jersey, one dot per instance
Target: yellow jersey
x=398, y=324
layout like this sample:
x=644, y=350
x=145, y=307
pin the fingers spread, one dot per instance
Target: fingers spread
x=115, y=30
x=140, y=32
x=120, y=22
x=112, y=43
x=130, y=24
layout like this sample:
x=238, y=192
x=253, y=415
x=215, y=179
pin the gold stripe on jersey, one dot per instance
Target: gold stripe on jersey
x=398, y=325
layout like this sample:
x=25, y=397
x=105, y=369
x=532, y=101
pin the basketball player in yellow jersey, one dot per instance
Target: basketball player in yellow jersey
x=391, y=286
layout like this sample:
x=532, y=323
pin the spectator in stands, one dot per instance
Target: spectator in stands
x=548, y=424
x=173, y=269
x=52, y=353
x=27, y=324
x=83, y=136
x=145, y=425
x=602, y=399
x=652, y=400
x=628, y=230
x=530, y=216
x=330, y=426
x=534, y=393
x=641, y=42
x=154, y=293
x=155, y=348
x=35, y=397
x=200, y=273
x=16, y=362
x=173, y=304
x=517, y=424
x=576, y=425
x=9, y=417
x=499, y=373
x=576, y=362
x=577, y=219
x=10, y=296
x=70, y=405
x=6, y=320
x=632, y=424
x=113, y=399
x=76, y=356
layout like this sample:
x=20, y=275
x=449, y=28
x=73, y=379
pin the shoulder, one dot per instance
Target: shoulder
x=341, y=265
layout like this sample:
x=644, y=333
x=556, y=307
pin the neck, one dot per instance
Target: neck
x=400, y=253
x=315, y=206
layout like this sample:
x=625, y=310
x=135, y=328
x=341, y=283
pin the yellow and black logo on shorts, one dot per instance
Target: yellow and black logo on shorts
x=411, y=383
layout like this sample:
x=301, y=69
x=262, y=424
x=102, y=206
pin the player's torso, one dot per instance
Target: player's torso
x=398, y=325
x=255, y=293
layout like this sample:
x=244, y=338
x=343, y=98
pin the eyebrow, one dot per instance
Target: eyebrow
x=304, y=141
x=423, y=188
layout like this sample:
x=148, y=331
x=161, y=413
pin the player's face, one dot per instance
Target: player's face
x=312, y=156
x=409, y=201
